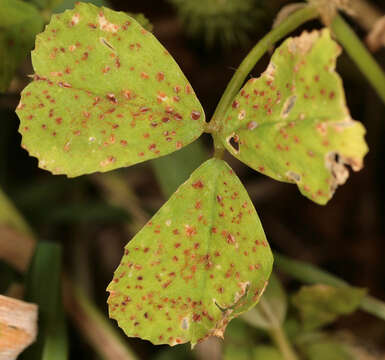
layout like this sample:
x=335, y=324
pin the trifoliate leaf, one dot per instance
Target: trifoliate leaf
x=321, y=304
x=202, y=260
x=19, y=23
x=292, y=123
x=106, y=94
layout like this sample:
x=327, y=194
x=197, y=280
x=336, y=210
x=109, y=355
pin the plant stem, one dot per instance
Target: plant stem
x=288, y=25
x=360, y=55
x=276, y=332
x=280, y=340
x=310, y=274
x=219, y=149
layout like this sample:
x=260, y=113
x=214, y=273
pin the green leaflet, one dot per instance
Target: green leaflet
x=106, y=94
x=202, y=260
x=292, y=123
x=19, y=23
x=321, y=304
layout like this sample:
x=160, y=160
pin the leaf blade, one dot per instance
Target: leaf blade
x=200, y=261
x=104, y=87
x=292, y=123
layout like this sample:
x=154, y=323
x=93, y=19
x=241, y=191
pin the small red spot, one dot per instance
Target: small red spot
x=190, y=230
x=144, y=75
x=198, y=185
x=111, y=98
x=165, y=285
x=195, y=115
x=177, y=116
x=331, y=95
x=235, y=104
x=196, y=317
x=85, y=56
x=230, y=238
x=58, y=120
x=160, y=76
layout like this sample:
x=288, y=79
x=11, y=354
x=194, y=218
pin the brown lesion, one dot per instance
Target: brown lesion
x=336, y=163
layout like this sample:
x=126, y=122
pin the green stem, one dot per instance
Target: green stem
x=360, y=55
x=288, y=25
x=310, y=274
x=219, y=149
x=276, y=332
x=280, y=340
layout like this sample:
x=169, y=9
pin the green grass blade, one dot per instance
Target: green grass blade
x=43, y=288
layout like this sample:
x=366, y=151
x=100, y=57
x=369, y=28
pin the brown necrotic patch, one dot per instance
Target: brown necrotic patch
x=289, y=104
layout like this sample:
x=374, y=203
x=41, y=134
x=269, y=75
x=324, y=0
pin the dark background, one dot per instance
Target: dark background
x=345, y=237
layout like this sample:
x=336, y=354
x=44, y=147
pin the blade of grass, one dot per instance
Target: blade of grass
x=43, y=287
